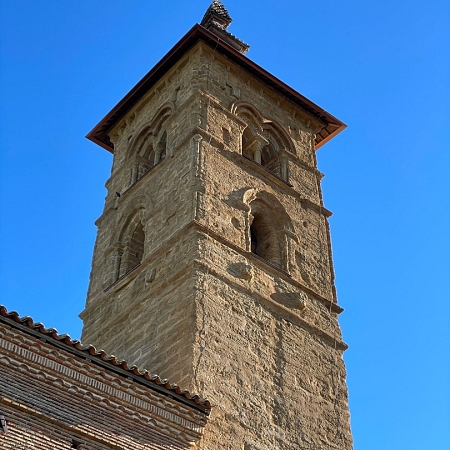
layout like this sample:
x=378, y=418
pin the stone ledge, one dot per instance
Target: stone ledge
x=279, y=272
x=277, y=308
x=127, y=278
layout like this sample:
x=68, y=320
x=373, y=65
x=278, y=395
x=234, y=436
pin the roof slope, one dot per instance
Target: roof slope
x=99, y=134
x=110, y=362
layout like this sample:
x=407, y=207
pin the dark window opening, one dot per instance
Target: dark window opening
x=246, y=147
x=136, y=247
x=162, y=148
x=263, y=239
x=253, y=239
x=267, y=222
x=265, y=156
x=133, y=251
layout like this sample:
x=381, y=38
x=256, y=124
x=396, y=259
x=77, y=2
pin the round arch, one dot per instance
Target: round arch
x=242, y=108
x=279, y=134
x=268, y=226
x=151, y=129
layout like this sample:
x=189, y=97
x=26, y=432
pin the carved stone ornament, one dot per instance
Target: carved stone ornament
x=247, y=272
x=302, y=301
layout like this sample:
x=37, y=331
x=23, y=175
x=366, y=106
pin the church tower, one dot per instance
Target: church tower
x=212, y=264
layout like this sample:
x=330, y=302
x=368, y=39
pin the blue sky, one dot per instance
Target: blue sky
x=383, y=68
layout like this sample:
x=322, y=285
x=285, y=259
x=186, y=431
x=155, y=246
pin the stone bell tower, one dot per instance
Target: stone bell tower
x=212, y=264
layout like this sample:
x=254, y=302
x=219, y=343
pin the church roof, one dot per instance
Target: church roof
x=110, y=362
x=331, y=126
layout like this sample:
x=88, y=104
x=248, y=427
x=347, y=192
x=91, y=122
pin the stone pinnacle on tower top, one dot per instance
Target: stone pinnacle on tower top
x=217, y=13
x=217, y=20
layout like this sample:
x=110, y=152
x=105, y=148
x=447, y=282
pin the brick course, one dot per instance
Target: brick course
x=52, y=397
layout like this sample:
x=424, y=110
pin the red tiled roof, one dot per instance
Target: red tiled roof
x=110, y=362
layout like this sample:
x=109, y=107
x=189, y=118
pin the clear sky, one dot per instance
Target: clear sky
x=381, y=67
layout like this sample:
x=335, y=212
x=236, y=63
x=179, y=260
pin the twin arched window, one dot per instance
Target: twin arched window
x=263, y=141
x=149, y=147
x=150, y=151
x=129, y=250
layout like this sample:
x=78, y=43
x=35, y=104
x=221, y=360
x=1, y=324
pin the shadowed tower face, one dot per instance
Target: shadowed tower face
x=212, y=264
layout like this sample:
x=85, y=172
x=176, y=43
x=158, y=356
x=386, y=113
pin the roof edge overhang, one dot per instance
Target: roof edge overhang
x=331, y=126
x=110, y=363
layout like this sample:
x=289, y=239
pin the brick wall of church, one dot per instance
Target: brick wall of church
x=54, y=400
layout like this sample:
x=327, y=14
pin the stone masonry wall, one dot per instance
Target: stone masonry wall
x=279, y=381
x=273, y=368
x=151, y=193
x=258, y=335
x=155, y=335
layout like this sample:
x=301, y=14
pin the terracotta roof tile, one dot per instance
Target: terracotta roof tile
x=12, y=317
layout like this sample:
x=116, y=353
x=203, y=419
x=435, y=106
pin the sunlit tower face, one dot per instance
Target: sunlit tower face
x=212, y=265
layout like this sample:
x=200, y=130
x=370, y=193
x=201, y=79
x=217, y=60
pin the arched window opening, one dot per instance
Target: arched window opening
x=270, y=159
x=264, y=148
x=146, y=151
x=246, y=144
x=133, y=250
x=268, y=154
x=162, y=148
x=143, y=158
x=149, y=153
x=136, y=247
x=149, y=146
x=264, y=238
x=264, y=141
x=269, y=228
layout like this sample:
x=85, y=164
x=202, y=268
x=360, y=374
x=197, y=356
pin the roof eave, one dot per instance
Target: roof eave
x=330, y=136
x=99, y=134
x=100, y=358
